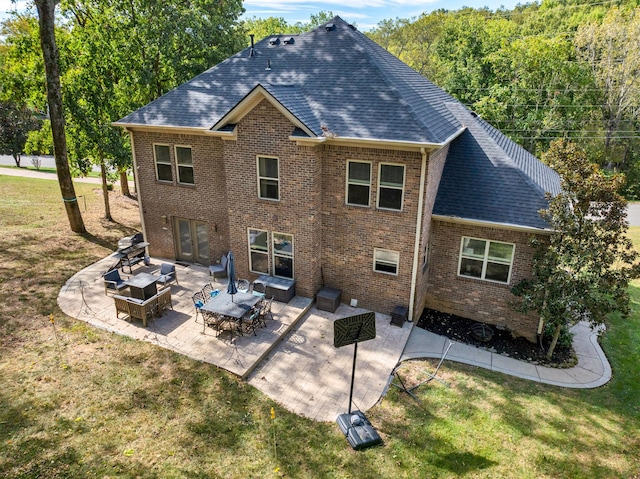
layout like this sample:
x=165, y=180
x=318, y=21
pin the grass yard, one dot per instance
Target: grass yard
x=80, y=402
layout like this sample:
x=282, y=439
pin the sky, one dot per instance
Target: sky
x=365, y=14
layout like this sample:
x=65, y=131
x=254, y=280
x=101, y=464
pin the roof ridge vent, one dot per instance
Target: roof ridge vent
x=289, y=41
x=274, y=41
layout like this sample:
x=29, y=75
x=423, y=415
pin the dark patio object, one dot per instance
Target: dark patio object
x=482, y=332
x=232, y=288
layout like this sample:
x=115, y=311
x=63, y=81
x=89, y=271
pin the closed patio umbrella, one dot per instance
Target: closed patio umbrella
x=231, y=274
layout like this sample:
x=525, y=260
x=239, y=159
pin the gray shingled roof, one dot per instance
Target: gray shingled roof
x=339, y=80
x=335, y=78
x=488, y=177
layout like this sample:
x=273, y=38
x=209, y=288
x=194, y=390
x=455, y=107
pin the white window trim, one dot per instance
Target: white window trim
x=375, y=260
x=273, y=254
x=404, y=183
x=347, y=183
x=267, y=177
x=250, y=250
x=485, y=259
x=156, y=162
x=175, y=155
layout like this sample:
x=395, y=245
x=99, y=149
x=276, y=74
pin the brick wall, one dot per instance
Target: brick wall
x=204, y=201
x=350, y=233
x=434, y=174
x=333, y=242
x=265, y=131
x=472, y=298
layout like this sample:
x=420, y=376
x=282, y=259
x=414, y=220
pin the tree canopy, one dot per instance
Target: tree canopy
x=583, y=270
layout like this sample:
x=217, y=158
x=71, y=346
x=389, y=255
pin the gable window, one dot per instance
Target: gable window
x=358, y=183
x=268, y=178
x=185, y=165
x=163, y=162
x=258, y=251
x=283, y=255
x=390, y=187
x=484, y=259
x=386, y=261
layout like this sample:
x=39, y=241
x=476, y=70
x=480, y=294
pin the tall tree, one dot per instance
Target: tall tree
x=46, y=20
x=583, y=270
x=612, y=51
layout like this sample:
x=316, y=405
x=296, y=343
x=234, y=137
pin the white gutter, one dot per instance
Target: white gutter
x=137, y=182
x=416, y=245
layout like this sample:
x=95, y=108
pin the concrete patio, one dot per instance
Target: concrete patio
x=292, y=359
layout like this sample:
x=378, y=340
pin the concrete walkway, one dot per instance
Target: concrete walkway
x=593, y=369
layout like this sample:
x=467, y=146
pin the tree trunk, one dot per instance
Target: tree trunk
x=105, y=190
x=17, y=158
x=46, y=20
x=554, y=341
x=124, y=183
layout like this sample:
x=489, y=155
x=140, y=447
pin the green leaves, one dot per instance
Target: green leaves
x=582, y=271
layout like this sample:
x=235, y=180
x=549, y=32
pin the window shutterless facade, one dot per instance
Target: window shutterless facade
x=162, y=158
x=386, y=261
x=390, y=186
x=358, y=183
x=268, y=178
x=258, y=251
x=484, y=259
x=184, y=163
x=283, y=255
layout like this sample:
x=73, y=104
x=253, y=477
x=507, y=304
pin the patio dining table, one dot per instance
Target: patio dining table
x=234, y=308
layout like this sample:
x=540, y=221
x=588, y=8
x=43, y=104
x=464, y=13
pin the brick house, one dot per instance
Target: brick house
x=322, y=158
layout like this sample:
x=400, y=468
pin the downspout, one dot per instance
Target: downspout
x=135, y=177
x=416, y=246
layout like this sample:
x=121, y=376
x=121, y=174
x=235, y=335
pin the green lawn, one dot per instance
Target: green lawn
x=76, y=401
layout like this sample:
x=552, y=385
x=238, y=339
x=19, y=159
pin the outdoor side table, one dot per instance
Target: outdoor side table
x=328, y=299
x=399, y=315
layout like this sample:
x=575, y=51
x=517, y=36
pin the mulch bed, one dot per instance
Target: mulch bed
x=502, y=342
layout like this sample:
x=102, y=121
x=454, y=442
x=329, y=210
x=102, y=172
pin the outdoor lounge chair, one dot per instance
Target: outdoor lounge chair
x=164, y=300
x=136, y=308
x=167, y=274
x=220, y=268
x=113, y=282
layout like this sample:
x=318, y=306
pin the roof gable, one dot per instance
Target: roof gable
x=488, y=177
x=284, y=98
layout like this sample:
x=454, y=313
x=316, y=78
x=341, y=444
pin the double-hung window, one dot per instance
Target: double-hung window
x=386, y=261
x=390, y=186
x=185, y=165
x=268, y=178
x=358, y=183
x=258, y=251
x=163, y=162
x=283, y=255
x=484, y=259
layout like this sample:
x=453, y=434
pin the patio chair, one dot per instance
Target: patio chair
x=258, y=289
x=265, y=310
x=209, y=292
x=213, y=321
x=113, y=282
x=198, y=302
x=242, y=285
x=220, y=268
x=249, y=322
x=167, y=274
